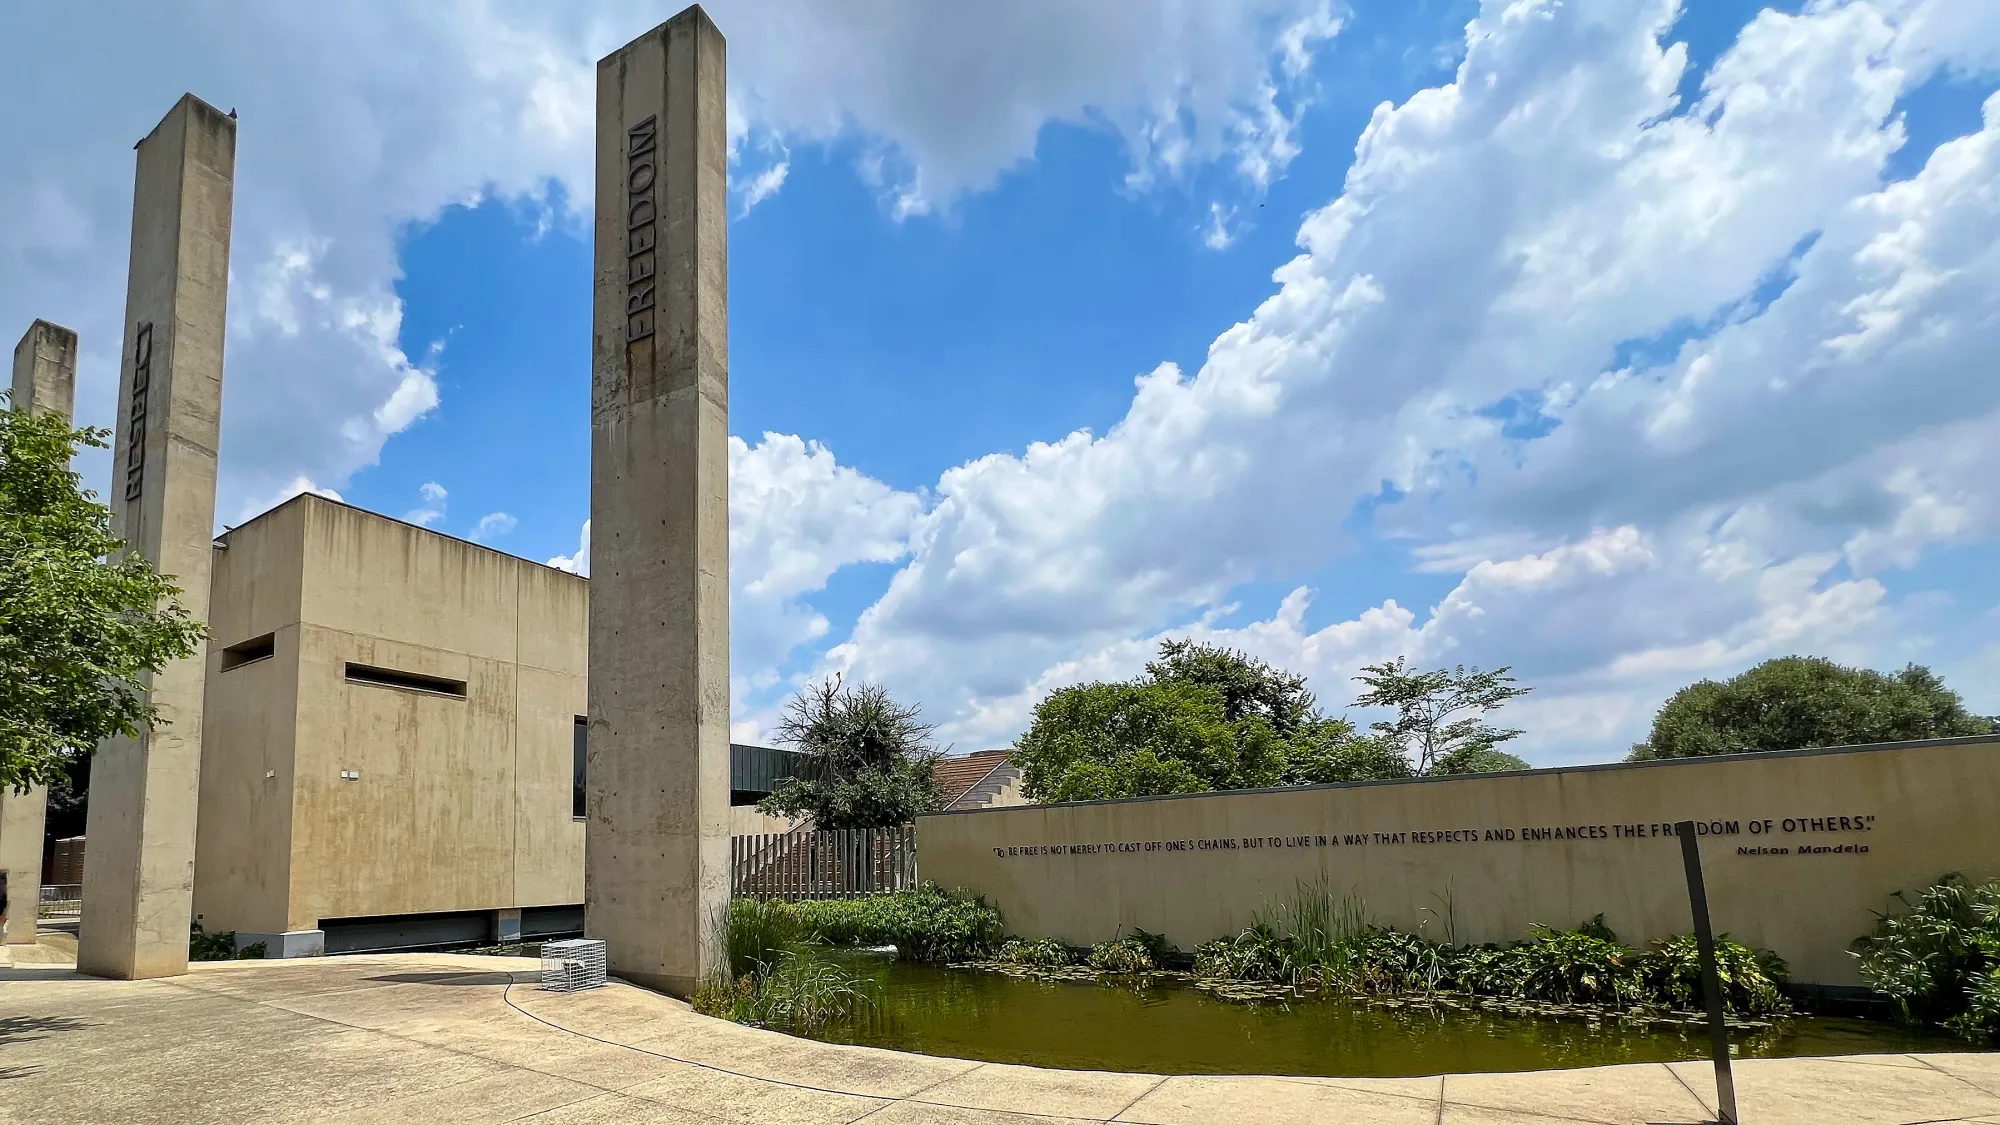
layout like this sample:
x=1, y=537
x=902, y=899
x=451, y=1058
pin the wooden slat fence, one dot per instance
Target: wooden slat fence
x=840, y=863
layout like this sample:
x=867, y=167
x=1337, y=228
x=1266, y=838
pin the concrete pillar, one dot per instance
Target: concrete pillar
x=45, y=370
x=44, y=381
x=138, y=876
x=507, y=926
x=656, y=855
x=21, y=822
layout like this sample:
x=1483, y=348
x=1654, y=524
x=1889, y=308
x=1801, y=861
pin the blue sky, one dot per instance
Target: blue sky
x=1606, y=362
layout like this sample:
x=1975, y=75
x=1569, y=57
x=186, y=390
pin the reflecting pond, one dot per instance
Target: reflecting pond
x=1172, y=1028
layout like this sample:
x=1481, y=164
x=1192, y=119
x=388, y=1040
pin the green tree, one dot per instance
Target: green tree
x=867, y=759
x=1795, y=702
x=1439, y=725
x=79, y=625
x=1248, y=687
x=1202, y=718
x=1340, y=753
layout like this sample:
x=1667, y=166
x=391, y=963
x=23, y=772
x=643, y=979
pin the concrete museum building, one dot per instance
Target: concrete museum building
x=394, y=742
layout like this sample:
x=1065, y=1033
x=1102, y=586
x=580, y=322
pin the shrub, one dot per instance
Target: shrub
x=205, y=946
x=1490, y=970
x=1752, y=980
x=1936, y=959
x=931, y=924
x=1586, y=965
x=926, y=923
x=1157, y=946
x=1046, y=953
x=1121, y=955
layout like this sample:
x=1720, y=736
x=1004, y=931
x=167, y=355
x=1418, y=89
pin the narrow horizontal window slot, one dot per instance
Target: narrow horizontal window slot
x=250, y=651
x=407, y=681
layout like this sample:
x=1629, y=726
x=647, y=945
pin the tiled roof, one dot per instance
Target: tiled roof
x=957, y=776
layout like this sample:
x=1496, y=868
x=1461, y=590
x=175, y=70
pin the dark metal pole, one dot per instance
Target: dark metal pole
x=1711, y=984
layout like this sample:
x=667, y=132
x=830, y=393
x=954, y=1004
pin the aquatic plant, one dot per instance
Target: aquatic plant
x=1046, y=953
x=766, y=978
x=795, y=992
x=1316, y=929
x=1936, y=959
x=1586, y=965
x=802, y=993
x=1157, y=946
x=1257, y=953
x=1753, y=980
x=1321, y=942
x=1121, y=955
x=754, y=933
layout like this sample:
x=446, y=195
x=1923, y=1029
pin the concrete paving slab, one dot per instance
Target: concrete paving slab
x=1093, y=1095
x=857, y=1070
x=1481, y=1115
x=508, y=1095
x=1273, y=1101
x=1981, y=1070
x=921, y=1113
x=617, y=1109
x=1816, y=1091
x=1621, y=1095
x=751, y=1100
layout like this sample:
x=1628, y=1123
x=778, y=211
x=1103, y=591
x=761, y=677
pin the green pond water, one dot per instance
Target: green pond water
x=1176, y=1029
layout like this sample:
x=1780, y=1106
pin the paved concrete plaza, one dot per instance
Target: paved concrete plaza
x=433, y=1037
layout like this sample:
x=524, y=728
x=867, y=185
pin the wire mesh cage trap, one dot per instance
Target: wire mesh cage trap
x=570, y=966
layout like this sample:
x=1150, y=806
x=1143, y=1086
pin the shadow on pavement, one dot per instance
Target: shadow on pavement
x=461, y=978
x=27, y=1029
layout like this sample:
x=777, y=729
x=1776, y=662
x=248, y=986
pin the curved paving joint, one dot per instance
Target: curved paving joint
x=422, y=1038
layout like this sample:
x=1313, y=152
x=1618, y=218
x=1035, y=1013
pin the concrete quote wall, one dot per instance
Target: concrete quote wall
x=1802, y=847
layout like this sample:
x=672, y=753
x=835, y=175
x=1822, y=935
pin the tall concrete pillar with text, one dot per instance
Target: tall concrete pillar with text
x=44, y=382
x=138, y=875
x=656, y=854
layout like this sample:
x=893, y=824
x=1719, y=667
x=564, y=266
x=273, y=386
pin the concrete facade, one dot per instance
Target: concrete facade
x=390, y=724
x=1798, y=849
x=22, y=818
x=139, y=870
x=44, y=381
x=658, y=858
x=45, y=370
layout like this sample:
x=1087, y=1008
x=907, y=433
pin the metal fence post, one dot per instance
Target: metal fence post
x=1711, y=984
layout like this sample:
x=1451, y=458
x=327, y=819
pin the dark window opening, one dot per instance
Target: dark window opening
x=580, y=750
x=250, y=651
x=408, y=681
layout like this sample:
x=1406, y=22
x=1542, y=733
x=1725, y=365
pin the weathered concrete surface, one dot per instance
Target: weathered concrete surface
x=139, y=868
x=44, y=381
x=468, y=1039
x=22, y=818
x=657, y=837
x=323, y=796
x=45, y=369
x=1799, y=850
